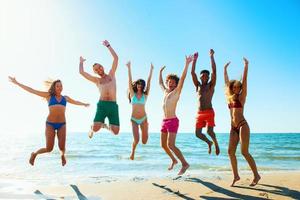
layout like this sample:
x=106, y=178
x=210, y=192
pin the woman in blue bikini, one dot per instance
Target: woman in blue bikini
x=138, y=93
x=56, y=120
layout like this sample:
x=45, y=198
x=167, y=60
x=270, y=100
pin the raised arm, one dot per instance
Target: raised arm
x=85, y=74
x=244, y=81
x=72, y=101
x=214, y=69
x=194, y=75
x=226, y=74
x=115, y=57
x=29, y=89
x=131, y=92
x=149, y=80
x=161, y=81
x=188, y=60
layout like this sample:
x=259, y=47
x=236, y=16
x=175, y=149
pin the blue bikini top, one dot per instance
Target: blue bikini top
x=135, y=100
x=53, y=101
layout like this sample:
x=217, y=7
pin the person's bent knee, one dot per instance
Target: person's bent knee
x=144, y=141
x=171, y=146
x=164, y=146
x=115, y=131
x=245, y=153
x=231, y=152
x=96, y=127
x=49, y=149
x=211, y=133
x=62, y=148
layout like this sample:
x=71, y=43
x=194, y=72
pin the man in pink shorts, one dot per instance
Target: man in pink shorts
x=170, y=123
x=206, y=115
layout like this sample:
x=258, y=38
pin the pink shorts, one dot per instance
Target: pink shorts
x=205, y=118
x=170, y=125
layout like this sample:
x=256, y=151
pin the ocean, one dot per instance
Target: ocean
x=105, y=157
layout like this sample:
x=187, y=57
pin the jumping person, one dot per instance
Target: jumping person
x=205, y=91
x=236, y=93
x=107, y=105
x=170, y=122
x=56, y=120
x=138, y=94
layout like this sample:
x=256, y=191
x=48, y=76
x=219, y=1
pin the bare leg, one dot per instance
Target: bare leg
x=136, y=138
x=61, y=135
x=114, y=129
x=94, y=128
x=211, y=133
x=144, y=129
x=203, y=137
x=164, y=145
x=172, y=146
x=244, y=138
x=233, y=142
x=50, y=136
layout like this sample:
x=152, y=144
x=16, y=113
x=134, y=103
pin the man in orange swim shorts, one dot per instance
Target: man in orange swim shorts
x=205, y=91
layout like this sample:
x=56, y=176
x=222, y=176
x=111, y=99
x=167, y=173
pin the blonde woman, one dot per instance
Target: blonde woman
x=236, y=93
x=56, y=120
x=138, y=94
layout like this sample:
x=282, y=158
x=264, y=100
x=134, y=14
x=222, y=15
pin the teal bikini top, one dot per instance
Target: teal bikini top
x=135, y=100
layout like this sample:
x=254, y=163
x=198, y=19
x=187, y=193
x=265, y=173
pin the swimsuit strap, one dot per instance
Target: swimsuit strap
x=53, y=101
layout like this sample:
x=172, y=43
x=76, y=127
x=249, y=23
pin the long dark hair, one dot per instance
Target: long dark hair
x=134, y=87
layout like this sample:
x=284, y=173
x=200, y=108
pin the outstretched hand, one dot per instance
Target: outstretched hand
x=196, y=56
x=227, y=64
x=13, y=80
x=188, y=59
x=106, y=43
x=245, y=61
x=151, y=67
x=211, y=52
x=82, y=60
x=128, y=64
x=86, y=105
x=162, y=68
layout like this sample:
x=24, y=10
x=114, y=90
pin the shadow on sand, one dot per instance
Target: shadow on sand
x=78, y=193
x=222, y=190
x=278, y=190
x=74, y=187
x=41, y=195
x=171, y=191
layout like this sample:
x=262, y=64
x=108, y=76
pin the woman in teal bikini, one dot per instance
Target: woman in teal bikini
x=56, y=121
x=138, y=93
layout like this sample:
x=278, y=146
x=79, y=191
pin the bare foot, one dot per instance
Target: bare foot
x=235, y=180
x=132, y=156
x=32, y=158
x=209, y=147
x=105, y=126
x=91, y=133
x=255, y=181
x=172, y=164
x=183, y=169
x=63, y=160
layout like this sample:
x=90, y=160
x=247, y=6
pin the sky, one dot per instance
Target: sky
x=44, y=39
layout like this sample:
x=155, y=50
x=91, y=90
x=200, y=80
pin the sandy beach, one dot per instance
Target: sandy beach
x=273, y=185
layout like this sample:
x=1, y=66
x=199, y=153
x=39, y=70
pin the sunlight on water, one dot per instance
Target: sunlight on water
x=106, y=157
